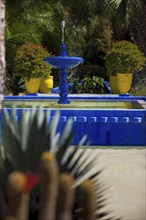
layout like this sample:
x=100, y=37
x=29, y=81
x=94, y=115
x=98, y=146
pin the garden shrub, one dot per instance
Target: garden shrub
x=124, y=57
x=29, y=61
x=93, y=85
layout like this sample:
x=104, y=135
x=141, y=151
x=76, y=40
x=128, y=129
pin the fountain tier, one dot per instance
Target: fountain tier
x=63, y=62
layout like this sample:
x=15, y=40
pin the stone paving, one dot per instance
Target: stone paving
x=125, y=176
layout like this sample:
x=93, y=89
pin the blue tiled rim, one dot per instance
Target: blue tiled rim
x=39, y=96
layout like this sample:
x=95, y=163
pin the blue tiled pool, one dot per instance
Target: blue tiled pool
x=104, y=126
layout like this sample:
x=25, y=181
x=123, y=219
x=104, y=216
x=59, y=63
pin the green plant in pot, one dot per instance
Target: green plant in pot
x=121, y=61
x=29, y=64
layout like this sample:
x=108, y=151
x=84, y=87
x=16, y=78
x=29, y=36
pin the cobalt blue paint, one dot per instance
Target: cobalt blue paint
x=104, y=127
x=63, y=62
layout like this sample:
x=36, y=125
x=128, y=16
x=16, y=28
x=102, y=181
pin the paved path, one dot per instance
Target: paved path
x=125, y=175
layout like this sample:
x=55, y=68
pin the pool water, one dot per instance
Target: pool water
x=78, y=104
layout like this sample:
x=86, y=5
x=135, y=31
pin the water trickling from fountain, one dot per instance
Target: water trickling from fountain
x=63, y=62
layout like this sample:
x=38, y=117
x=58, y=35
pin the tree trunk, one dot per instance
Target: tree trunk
x=2, y=49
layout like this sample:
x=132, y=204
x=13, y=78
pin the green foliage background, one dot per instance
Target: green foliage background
x=90, y=28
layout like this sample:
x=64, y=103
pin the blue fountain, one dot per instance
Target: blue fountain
x=63, y=62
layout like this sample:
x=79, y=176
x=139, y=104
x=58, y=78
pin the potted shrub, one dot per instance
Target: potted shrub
x=29, y=64
x=121, y=61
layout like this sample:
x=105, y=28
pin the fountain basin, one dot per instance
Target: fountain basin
x=104, y=127
x=64, y=62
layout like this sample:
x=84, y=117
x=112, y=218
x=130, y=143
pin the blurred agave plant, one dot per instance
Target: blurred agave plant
x=41, y=177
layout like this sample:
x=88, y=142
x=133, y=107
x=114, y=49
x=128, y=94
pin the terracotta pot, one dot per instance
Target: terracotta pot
x=32, y=85
x=46, y=84
x=124, y=81
x=113, y=84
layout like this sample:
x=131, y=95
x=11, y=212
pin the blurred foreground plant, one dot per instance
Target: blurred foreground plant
x=40, y=177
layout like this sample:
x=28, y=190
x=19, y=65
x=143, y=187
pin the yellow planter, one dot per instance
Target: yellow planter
x=113, y=84
x=124, y=81
x=46, y=85
x=32, y=85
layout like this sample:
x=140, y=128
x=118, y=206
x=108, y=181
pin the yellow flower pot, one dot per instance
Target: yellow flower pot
x=113, y=84
x=46, y=84
x=124, y=81
x=32, y=85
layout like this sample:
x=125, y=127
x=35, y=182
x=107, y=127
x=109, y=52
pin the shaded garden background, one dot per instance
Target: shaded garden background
x=91, y=26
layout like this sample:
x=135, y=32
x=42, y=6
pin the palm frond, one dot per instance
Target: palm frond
x=124, y=10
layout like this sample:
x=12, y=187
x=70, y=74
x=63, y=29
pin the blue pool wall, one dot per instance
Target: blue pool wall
x=112, y=127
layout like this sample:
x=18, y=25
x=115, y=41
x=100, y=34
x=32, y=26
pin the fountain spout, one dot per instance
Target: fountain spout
x=63, y=50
